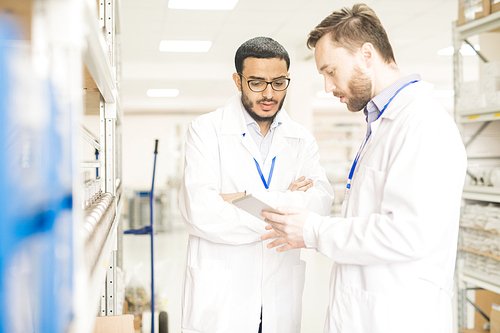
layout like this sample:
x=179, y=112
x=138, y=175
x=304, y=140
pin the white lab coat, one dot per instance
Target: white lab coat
x=230, y=273
x=395, y=250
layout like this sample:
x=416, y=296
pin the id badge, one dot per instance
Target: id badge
x=344, y=204
x=344, y=208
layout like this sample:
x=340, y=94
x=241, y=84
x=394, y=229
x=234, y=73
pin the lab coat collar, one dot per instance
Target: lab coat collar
x=233, y=121
x=405, y=97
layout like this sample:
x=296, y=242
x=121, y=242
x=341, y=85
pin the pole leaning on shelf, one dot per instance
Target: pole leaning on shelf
x=150, y=230
x=151, y=205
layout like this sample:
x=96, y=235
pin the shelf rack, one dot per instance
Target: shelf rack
x=73, y=46
x=479, y=115
x=466, y=277
x=481, y=193
x=101, y=235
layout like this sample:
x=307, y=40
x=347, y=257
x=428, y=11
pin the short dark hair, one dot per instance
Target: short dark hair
x=260, y=47
x=351, y=28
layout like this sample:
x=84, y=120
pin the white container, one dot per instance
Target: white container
x=492, y=99
x=473, y=102
x=470, y=88
x=490, y=84
x=491, y=69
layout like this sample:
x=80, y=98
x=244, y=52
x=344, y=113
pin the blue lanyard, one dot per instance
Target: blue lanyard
x=270, y=177
x=351, y=173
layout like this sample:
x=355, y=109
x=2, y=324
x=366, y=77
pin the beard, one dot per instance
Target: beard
x=360, y=87
x=248, y=105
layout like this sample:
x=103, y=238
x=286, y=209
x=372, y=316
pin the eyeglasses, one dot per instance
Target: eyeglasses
x=261, y=85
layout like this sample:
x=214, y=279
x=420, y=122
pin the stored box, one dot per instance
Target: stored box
x=115, y=324
x=22, y=10
x=470, y=10
x=495, y=6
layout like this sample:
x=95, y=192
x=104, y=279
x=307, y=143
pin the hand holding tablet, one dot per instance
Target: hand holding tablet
x=254, y=205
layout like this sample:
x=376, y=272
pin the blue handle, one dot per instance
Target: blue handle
x=151, y=205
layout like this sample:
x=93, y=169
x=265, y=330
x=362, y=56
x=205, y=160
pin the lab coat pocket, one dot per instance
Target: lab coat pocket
x=363, y=311
x=366, y=191
x=207, y=300
x=299, y=275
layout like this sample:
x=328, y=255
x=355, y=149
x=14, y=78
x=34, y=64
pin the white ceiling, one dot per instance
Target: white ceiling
x=417, y=30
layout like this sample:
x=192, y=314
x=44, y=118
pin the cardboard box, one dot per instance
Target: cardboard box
x=114, y=324
x=92, y=100
x=88, y=80
x=92, y=96
x=495, y=318
x=495, y=6
x=484, y=300
x=137, y=322
x=470, y=10
x=22, y=11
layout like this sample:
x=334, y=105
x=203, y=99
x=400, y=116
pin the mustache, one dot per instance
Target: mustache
x=267, y=100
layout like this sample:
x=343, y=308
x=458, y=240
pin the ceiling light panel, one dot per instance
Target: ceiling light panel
x=185, y=45
x=465, y=50
x=162, y=92
x=202, y=4
x=324, y=94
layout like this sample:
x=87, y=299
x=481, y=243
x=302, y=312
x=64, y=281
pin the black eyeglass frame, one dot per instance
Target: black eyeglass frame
x=267, y=83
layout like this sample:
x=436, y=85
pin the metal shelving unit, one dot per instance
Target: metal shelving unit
x=102, y=215
x=70, y=248
x=338, y=138
x=467, y=279
x=481, y=193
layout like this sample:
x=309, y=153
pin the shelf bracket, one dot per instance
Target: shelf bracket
x=87, y=135
x=479, y=131
x=479, y=54
x=471, y=175
x=479, y=310
x=474, y=137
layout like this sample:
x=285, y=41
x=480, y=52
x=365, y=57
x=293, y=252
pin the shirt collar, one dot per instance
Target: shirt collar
x=377, y=103
x=249, y=121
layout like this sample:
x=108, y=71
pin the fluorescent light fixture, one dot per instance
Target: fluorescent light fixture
x=324, y=94
x=162, y=92
x=202, y=4
x=447, y=51
x=465, y=50
x=443, y=93
x=185, y=45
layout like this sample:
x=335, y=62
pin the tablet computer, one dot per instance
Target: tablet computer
x=254, y=205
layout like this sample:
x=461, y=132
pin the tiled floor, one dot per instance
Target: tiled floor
x=170, y=253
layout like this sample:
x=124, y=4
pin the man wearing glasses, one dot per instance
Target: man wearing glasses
x=232, y=282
